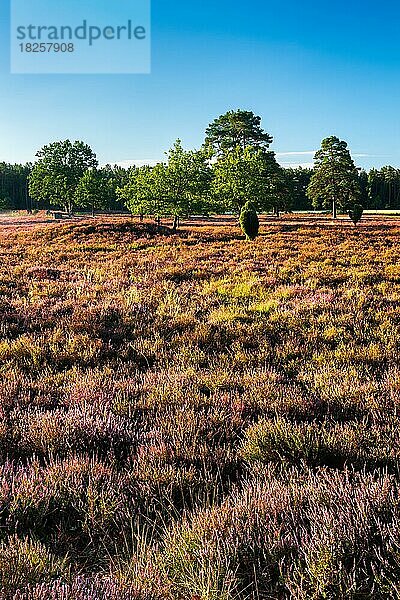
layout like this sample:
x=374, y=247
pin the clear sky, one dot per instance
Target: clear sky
x=310, y=69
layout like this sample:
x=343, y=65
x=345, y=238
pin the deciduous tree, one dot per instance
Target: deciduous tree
x=143, y=194
x=93, y=190
x=243, y=175
x=178, y=187
x=187, y=181
x=56, y=174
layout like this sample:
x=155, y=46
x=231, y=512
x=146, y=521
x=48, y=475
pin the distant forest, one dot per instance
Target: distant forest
x=380, y=189
x=14, y=188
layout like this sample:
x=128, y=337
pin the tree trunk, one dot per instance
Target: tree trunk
x=175, y=224
x=69, y=208
x=28, y=200
x=334, y=209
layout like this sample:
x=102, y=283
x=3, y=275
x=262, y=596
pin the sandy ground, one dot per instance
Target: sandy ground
x=21, y=220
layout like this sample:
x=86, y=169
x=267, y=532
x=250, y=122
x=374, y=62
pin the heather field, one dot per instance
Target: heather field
x=190, y=416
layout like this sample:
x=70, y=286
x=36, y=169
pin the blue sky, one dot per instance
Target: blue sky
x=309, y=69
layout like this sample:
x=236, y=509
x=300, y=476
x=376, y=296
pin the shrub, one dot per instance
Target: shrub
x=355, y=213
x=249, y=221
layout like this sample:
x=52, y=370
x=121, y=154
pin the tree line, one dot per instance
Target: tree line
x=234, y=166
x=14, y=186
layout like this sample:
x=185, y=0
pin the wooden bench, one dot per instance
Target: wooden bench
x=57, y=215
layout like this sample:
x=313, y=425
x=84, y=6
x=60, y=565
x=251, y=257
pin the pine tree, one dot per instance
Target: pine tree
x=237, y=128
x=335, y=180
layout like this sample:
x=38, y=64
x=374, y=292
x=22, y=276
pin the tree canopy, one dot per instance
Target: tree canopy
x=178, y=187
x=93, y=190
x=187, y=180
x=236, y=128
x=56, y=174
x=335, y=179
x=200, y=181
x=143, y=192
x=243, y=175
